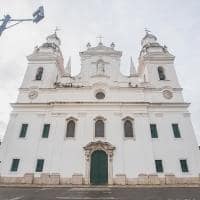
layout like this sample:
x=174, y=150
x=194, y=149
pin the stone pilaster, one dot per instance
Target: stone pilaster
x=154, y=179
x=143, y=179
x=120, y=179
x=77, y=179
x=170, y=179
x=55, y=178
x=28, y=178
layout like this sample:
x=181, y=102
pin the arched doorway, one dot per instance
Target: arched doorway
x=99, y=168
x=108, y=151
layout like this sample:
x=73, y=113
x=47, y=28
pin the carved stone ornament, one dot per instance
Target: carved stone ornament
x=99, y=145
x=33, y=94
x=167, y=94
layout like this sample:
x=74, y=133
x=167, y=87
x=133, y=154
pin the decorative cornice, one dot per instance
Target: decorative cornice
x=100, y=50
x=76, y=86
x=90, y=103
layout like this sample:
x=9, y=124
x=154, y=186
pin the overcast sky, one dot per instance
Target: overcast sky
x=176, y=23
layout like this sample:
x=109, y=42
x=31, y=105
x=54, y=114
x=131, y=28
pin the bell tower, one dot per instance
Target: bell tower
x=45, y=64
x=156, y=64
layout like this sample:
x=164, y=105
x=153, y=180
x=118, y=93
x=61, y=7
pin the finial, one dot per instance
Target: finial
x=36, y=49
x=112, y=45
x=68, y=68
x=53, y=38
x=100, y=39
x=88, y=45
x=56, y=29
x=165, y=48
x=132, y=68
x=147, y=31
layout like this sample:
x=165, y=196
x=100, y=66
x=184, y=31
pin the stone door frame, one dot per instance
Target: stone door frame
x=108, y=149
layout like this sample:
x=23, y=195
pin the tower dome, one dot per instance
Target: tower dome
x=53, y=39
x=148, y=38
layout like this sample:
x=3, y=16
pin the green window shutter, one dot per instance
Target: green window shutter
x=45, y=133
x=159, y=166
x=184, y=165
x=176, y=131
x=23, y=130
x=39, y=166
x=15, y=164
x=154, y=133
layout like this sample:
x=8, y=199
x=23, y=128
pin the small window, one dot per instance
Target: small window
x=100, y=67
x=159, y=165
x=176, y=131
x=128, y=128
x=70, y=129
x=100, y=95
x=45, y=133
x=14, y=166
x=23, y=131
x=154, y=133
x=39, y=73
x=184, y=165
x=99, y=128
x=161, y=73
x=39, y=166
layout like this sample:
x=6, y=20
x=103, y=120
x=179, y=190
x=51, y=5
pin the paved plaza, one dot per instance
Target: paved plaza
x=99, y=193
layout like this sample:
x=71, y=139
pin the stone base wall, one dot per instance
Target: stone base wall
x=119, y=179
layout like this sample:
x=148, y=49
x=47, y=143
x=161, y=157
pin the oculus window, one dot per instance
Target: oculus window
x=100, y=95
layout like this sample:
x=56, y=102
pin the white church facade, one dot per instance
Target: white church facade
x=100, y=127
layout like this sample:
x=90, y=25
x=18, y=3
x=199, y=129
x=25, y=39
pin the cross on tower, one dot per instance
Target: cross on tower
x=147, y=31
x=56, y=29
x=100, y=39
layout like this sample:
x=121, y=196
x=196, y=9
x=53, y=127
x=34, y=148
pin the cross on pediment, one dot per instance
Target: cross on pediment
x=56, y=29
x=100, y=38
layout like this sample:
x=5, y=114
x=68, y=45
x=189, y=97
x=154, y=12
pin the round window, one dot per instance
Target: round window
x=167, y=94
x=100, y=95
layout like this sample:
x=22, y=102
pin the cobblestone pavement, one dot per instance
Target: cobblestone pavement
x=99, y=193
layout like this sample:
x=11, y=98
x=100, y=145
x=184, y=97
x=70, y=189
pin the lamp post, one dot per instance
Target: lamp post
x=38, y=15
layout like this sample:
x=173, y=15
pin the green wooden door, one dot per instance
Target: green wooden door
x=99, y=168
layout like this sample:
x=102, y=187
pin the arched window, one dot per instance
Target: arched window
x=100, y=67
x=70, y=129
x=128, y=128
x=161, y=73
x=99, y=128
x=39, y=73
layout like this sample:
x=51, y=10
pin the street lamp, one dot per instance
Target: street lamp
x=38, y=15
